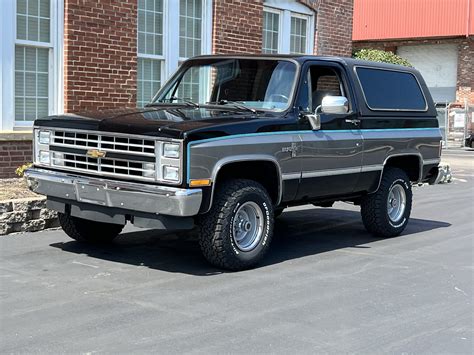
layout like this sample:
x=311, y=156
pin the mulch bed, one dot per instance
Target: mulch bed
x=15, y=188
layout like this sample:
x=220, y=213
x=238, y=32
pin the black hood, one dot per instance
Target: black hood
x=173, y=122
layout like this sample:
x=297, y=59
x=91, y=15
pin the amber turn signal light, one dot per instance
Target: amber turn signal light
x=200, y=182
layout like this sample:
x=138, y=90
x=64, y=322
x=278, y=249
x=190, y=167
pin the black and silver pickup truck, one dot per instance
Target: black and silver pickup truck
x=230, y=141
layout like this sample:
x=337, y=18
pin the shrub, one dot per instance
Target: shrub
x=20, y=171
x=376, y=55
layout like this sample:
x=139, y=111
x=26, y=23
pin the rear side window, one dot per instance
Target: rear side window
x=391, y=90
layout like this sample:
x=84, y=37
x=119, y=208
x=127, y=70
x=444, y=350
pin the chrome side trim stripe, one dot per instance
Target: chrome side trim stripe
x=291, y=176
x=332, y=172
x=431, y=161
x=367, y=168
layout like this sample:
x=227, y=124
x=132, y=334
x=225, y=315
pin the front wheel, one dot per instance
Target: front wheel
x=236, y=233
x=386, y=212
x=87, y=231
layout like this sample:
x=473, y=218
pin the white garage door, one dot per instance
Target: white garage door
x=438, y=64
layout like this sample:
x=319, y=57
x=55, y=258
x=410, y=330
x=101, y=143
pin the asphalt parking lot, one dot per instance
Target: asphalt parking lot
x=325, y=286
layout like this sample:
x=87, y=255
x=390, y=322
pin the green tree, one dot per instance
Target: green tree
x=376, y=55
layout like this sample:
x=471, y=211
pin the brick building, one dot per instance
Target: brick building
x=96, y=54
x=436, y=37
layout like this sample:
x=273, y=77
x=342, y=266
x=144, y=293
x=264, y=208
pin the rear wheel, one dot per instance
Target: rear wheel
x=87, y=231
x=386, y=212
x=236, y=233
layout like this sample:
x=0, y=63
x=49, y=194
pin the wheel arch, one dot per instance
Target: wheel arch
x=253, y=167
x=411, y=163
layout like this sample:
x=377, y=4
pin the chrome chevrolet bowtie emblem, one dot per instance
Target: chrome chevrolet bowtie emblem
x=293, y=149
x=95, y=153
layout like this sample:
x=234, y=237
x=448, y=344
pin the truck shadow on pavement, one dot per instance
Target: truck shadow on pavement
x=297, y=234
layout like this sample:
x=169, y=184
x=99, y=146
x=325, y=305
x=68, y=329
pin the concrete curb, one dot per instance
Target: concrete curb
x=26, y=215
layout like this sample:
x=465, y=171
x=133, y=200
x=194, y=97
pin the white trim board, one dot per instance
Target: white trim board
x=7, y=61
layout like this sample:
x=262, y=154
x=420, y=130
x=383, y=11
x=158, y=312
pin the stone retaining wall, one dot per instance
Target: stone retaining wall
x=26, y=215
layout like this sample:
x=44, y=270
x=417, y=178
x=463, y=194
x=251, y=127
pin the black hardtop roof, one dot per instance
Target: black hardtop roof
x=350, y=62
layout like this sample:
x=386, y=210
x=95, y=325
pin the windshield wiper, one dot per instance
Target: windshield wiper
x=175, y=98
x=235, y=104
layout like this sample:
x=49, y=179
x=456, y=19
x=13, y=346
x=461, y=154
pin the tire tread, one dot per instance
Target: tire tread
x=373, y=206
x=212, y=225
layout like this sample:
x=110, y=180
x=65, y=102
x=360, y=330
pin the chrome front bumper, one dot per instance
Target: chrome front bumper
x=118, y=194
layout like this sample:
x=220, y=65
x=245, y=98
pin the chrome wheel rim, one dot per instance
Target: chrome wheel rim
x=248, y=226
x=396, y=202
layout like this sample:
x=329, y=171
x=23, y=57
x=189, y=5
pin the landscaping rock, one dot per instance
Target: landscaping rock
x=26, y=215
x=4, y=228
x=6, y=206
x=48, y=214
x=13, y=217
x=34, y=225
x=29, y=204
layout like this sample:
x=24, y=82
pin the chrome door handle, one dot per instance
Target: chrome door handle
x=354, y=121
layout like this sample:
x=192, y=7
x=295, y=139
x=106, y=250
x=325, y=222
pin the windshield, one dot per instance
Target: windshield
x=248, y=84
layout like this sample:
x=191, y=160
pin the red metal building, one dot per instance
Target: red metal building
x=403, y=19
x=435, y=36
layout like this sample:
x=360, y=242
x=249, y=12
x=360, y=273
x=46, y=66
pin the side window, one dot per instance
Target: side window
x=320, y=82
x=391, y=90
x=325, y=82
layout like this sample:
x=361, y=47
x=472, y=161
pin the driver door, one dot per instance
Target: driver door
x=331, y=157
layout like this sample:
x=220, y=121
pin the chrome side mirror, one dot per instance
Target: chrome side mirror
x=329, y=104
x=334, y=104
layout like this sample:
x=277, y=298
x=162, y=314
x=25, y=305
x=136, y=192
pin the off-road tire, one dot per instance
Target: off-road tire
x=87, y=231
x=374, y=206
x=215, y=228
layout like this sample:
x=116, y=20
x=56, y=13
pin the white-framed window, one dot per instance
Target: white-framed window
x=288, y=28
x=169, y=32
x=31, y=70
x=190, y=28
x=190, y=42
x=150, y=49
x=298, y=34
x=148, y=79
x=271, y=30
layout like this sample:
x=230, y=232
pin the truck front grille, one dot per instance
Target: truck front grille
x=105, y=142
x=104, y=154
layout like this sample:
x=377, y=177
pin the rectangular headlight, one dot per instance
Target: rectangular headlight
x=171, y=173
x=44, y=137
x=171, y=150
x=44, y=157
